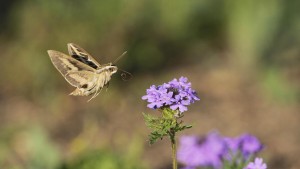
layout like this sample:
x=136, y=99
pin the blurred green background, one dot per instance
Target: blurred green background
x=242, y=57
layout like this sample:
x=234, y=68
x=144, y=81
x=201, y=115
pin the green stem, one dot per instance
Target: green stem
x=174, y=150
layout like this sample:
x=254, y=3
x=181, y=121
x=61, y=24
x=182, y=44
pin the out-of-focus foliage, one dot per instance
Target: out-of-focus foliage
x=28, y=147
x=157, y=34
x=92, y=158
x=95, y=159
x=230, y=49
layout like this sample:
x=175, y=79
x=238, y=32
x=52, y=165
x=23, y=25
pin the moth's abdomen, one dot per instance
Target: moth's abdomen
x=77, y=92
x=83, y=92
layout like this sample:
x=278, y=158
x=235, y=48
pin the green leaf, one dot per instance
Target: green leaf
x=166, y=125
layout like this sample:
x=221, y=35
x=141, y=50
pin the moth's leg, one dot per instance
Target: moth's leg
x=97, y=90
x=93, y=96
x=90, y=98
x=99, y=86
x=107, y=85
x=96, y=93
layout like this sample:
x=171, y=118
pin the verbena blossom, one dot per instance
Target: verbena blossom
x=206, y=151
x=245, y=144
x=176, y=94
x=257, y=164
x=250, y=145
x=213, y=150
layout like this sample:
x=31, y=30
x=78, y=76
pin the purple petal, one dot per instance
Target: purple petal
x=257, y=164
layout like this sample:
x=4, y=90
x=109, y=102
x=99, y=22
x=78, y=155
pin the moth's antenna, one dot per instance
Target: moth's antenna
x=125, y=75
x=119, y=57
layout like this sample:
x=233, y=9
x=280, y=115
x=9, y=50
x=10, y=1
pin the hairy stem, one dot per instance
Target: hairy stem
x=174, y=148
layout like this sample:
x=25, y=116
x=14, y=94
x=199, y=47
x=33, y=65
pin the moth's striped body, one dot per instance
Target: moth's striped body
x=82, y=71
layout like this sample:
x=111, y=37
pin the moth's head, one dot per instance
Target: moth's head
x=113, y=69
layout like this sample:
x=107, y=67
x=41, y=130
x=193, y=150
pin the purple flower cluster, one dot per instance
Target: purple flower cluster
x=257, y=164
x=206, y=151
x=245, y=144
x=176, y=94
x=213, y=150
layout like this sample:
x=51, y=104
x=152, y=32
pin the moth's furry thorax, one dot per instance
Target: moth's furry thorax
x=111, y=68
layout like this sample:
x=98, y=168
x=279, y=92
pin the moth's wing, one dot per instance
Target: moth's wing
x=83, y=56
x=81, y=79
x=66, y=64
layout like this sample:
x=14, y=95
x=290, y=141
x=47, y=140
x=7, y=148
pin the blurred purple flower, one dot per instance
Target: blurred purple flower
x=257, y=164
x=245, y=144
x=176, y=94
x=206, y=152
x=213, y=150
x=250, y=145
x=189, y=167
x=233, y=145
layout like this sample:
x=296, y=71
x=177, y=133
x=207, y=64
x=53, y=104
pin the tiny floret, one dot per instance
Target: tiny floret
x=257, y=164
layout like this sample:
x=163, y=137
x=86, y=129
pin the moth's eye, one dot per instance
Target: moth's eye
x=111, y=69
